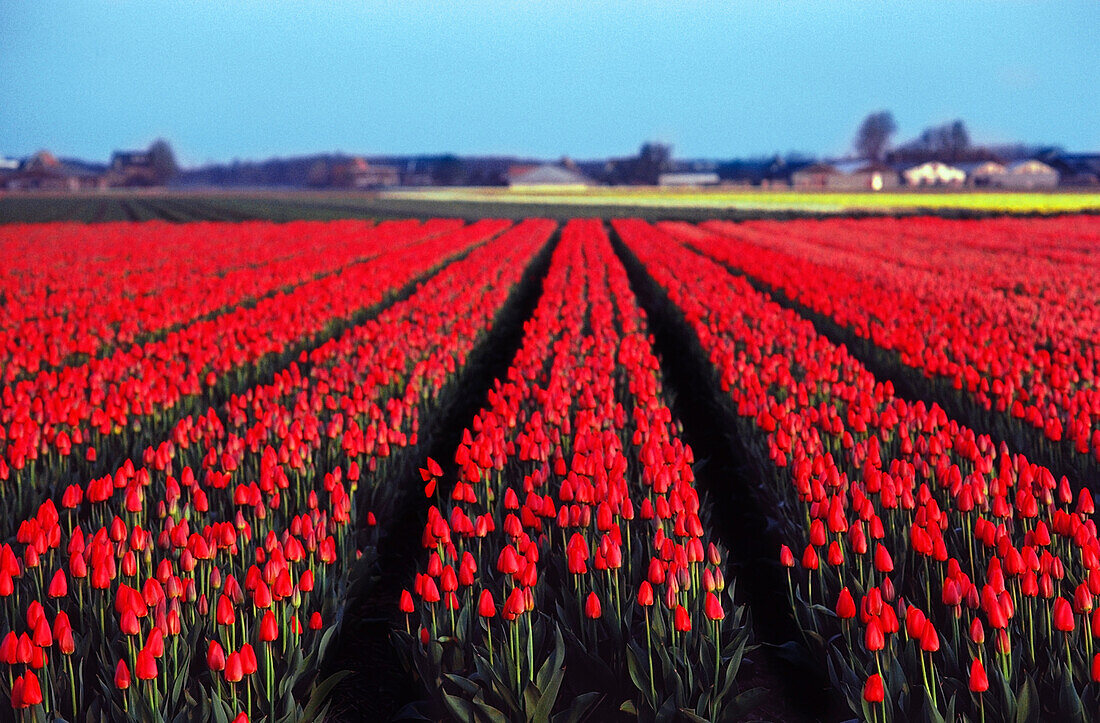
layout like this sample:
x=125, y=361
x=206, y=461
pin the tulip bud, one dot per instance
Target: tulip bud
x=486, y=607
x=215, y=656
x=713, y=607
x=979, y=682
x=845, y=605
x=873, y=689
x=592, y=606
x=122, y=675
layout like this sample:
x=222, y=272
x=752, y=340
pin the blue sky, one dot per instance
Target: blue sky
x=250, y=79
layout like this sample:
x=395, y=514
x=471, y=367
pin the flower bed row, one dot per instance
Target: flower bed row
x=567, y=566
x=995, y=310
x=54, y=428
x=206, y=582
x=70, y=291
x=941, y=575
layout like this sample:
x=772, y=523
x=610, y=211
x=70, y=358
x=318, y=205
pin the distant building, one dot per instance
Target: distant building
x=1030, y=175
x=548, y=177
x=857, y=175
x=862, y=175
x=688, y=178
x=131, y=169
x=357, y=173
x=934, y=173
x=817, y=176
x=1076, y=169
x=982, y=174
x=44, y=172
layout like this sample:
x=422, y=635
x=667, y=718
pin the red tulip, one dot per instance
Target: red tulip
x=486, y=607
x=883, y=561
x=979, y=683
x=592, y=606
x=873, y=690
x=645, y=594
x=406, y=603
x=215, y=656
x=845, y=605
x=32, y=690
x=233, y=669
x=713, y=607
x=269, y=628
x=929, y=639
x=248, y=659
x=59, y=586
x=146, y=665
x=681, y=619
x=122, y=675
x=786, y=557
x=1063, y=615
x=873, y=637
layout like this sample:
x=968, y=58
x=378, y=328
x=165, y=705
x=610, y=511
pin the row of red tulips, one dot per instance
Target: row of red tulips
x=54, y=428
x=940, y=574
x=208, y=580
x=71, y=291
x=1013, y=320
x=567, y=565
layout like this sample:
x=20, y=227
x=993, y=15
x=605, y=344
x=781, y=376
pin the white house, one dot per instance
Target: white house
x=934, y=173
x=548, y=177
x=1028, y=175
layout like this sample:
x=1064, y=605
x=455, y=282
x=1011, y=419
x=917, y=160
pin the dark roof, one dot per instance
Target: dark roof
x=131, y=158
x=818, y=168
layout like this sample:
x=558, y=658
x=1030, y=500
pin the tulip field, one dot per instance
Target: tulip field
x=546, y=470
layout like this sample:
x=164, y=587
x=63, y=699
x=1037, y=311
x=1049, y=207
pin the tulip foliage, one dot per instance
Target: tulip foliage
x=205, y=579
x=941, y=574
x=566, y=562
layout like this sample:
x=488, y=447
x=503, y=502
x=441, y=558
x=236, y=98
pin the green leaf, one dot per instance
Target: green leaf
x=489, y=712
x=638, y=674
x=667, y=712
x=628, y=707
x=220, y=713
x=579, y=707
x=531, y=695
x=1027, y=710
x=320, y=694
x=931, y=713
x=549, y=697
x=469, y=687
x=744, y=703
x=553, y=663
x=1069, y=701
x=459, y=708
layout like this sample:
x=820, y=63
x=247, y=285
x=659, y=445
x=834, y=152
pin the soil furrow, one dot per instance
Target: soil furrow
x=379, y=686
x=725, y=475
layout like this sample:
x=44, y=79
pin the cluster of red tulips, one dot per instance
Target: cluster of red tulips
x=567, y=564
x=941, y=574
x=200, y=454
x=203, y=580
x=56, y=426
x=75, y=291
x=1006, y=311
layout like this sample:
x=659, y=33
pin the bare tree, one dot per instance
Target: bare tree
x=873, y=136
